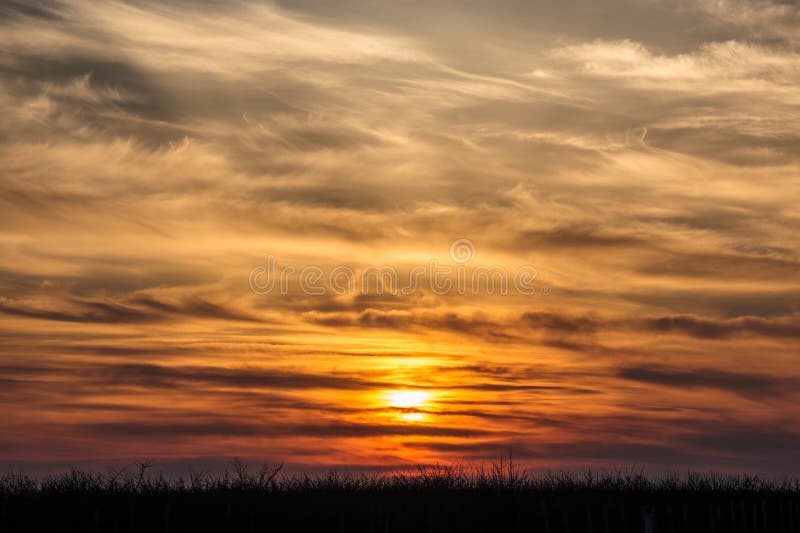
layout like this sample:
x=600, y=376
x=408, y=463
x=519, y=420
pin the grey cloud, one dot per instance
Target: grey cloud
x=584, y=452
x=148, y=375
x=96, y=312
x=403, y=320
x=576, y=237
x=780, y=443
x=750, y=385
x=45, y=9
x=723, y=266
x=514, y=21
x=727, y=144
x=194, y=306
x=734, y=302
x=713, y=329
x=133, y=310
x=564, y=324
x=179, y=429
x=710, y=444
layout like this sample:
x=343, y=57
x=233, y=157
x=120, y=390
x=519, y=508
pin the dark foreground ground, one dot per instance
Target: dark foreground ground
x=438, y=499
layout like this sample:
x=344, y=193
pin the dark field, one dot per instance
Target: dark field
x=434, y=499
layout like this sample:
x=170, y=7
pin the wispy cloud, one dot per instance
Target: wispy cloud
x=642, y=156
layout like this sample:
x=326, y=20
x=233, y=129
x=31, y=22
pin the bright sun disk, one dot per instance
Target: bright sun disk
x=407, y=398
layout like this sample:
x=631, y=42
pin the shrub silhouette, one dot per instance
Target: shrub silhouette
x=438, y=498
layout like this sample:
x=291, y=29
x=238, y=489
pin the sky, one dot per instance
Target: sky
x=630, y=168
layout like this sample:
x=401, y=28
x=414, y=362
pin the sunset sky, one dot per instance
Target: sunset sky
x=642, y=156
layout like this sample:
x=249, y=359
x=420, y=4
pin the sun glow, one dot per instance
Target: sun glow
x=413, y=417
x=407, y=398
x=408, y=402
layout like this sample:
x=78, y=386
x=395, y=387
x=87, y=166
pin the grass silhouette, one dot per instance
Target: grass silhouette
x=436, y=498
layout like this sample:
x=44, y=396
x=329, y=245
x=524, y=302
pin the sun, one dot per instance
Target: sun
x=408, y=403
x=407, y=398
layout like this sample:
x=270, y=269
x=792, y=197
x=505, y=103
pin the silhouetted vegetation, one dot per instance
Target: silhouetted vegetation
x=432, y=499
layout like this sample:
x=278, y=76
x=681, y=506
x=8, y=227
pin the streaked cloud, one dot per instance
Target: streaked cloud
x=642, y=156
